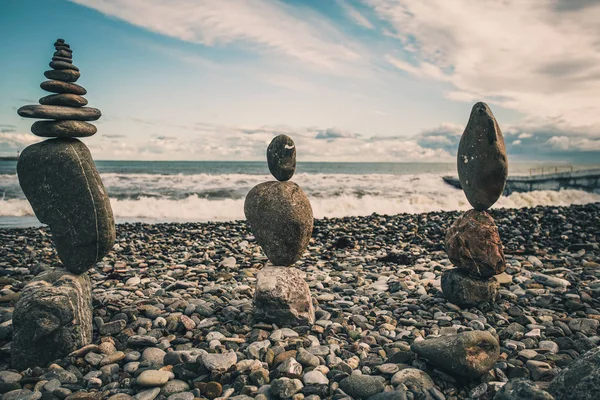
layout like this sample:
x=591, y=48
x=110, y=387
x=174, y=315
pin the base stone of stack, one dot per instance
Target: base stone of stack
x=60, y=180
x=52, y=318
x=464, y=290
x=283, y=296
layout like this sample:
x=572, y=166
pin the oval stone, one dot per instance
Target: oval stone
x=64, y=47
x=281, y=219
x=60, y=65
x=69, y=100
x=465, y=291
x=65, y=75
x=481, y=159
x=281, y=157
x=63, y=129
x=62, y=53
x=62, y=87
x=59, y=112
x=65, y=59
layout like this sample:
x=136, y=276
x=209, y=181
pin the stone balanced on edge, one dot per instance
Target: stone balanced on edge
x=281, y=219
x=59, y=178
x=473, y=243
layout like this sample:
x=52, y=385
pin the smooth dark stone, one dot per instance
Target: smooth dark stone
x=522, y=389
x=64, y=59
x=52, y=318
x=65, y=75
x=72, y=200
x=65, y=99
x=281, y=157
x=65, y=47
x=61, y=65
x=59, y=112
x=481, y=159
x=63, y=129
x=464, y=290
x=579, y=380
x=469, y=354
x=281, y=219
x=63, y=87
x=63, y=53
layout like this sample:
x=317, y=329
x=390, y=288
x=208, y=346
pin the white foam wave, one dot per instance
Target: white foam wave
x=194, y=208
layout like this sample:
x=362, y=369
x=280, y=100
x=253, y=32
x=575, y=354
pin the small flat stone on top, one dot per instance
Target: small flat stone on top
x=63, y=129
x=62, y=87
x=59, y=112
x=65, y=75
x=69, y=100
x=63, y=65
x=281, y=157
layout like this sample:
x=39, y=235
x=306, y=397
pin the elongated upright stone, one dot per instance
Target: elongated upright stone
x=52, y=318
x=481, y=160
x=60, y=180
x=281, y=157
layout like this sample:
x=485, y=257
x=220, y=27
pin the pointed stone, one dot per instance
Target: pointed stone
x=72, y=200
x=59, y=112
x=69, y=100
x=481, y=159
x=283, y=296
x=52, y=318
x=60, y=65
x=63, y=87
x=469, y=354
x=63, y=129
x=281, y=157
x=65, y=75
x=281, y=219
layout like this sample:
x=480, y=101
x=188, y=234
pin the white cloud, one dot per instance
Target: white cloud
x=18, y=140
x=355, y=15
x=265, y=25
x=541, y=58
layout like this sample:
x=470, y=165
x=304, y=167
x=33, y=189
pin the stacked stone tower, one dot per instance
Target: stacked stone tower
x=473, y=243
x=59, y=178
x=280, y=216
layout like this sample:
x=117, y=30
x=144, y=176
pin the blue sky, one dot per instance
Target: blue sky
x=349, y=80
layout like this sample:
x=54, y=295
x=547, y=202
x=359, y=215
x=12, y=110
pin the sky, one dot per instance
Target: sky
x=348, y=80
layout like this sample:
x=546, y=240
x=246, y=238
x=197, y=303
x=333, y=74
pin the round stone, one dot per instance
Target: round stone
x=281, y=157
x=152, y=378
x=60, y=65
x=463, y=290
x=65, y=75
x=59, y=112
x=481, y=159
x=362, y=386
x=473, y=244
x=59, y=42
x=62, y=87
x=69, y=100
x=63, y=53
x=64, y=59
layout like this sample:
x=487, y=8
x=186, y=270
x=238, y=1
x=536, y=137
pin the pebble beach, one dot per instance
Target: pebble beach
x=173, y=311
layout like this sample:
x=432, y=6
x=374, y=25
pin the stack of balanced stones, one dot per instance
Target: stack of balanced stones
x=473, y=243
x=280, y=217
x=59, y=178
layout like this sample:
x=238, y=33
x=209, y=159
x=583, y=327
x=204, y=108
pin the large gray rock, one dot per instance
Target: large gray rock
x=281, y=157
x=283, y=296
x=468, y=354
x=579, y=380
x=465, y=291
x=481, y=159
x=59, y=112
x=63, y=129
x=60, y=180
x=281, y=218
x=52, y=318
x=473, y=244
x=519, y=389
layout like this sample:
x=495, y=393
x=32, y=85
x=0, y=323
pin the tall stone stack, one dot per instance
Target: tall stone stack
x=59, y=178
x=280, y=216
x=473, y=243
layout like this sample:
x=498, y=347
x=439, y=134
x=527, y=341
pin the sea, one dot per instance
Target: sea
x=200, y=191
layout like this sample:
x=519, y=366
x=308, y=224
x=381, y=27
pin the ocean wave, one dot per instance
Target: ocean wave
x=194, y=208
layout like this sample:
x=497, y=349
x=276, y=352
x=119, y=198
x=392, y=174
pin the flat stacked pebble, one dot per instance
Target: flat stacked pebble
x=65, y=108
x=173, y=311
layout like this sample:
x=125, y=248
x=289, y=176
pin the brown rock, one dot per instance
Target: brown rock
x=65, y=75
x=463, y=290
x=281, y=219
x=473, y=244
x=63, y=129
x=481, y=159
x=62, y=87
x=69, y=100
x=63, y=65
x=59, y=112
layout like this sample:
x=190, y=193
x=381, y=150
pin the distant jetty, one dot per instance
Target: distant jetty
x=9, y=158
x=587, y=180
